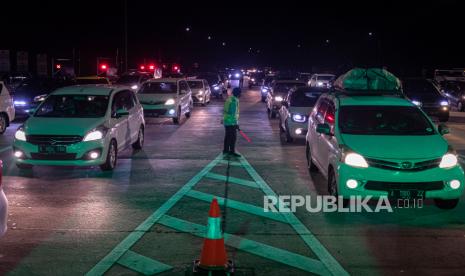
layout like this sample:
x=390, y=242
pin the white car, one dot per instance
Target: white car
x=167, y=97
x=81, y=126
x=277, y=93
x=201, y=92
x=3, y=207
x=7, y=109
x=321, y=80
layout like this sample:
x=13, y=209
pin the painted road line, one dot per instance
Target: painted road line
x=312, y=242
x=142, y=264
x=234, y=180
x=250, y=246
x=244, y=207
x=232, y=163
x=109, y=260
x=6, y=149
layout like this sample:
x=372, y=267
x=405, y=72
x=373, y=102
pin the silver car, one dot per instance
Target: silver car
x=296, y=107
x=3, y=207
x=278, y=92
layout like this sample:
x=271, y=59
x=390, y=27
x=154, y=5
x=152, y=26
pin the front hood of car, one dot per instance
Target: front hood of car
x=61, y=126
x=300, y=110
x=148, y=98
x=397, y=147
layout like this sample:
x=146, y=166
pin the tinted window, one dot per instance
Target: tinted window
x=73, y=106
x=158, y=88
x=322, y=107
x=122, y=100
x=303, y=98
x=91, y=81
x=325, y=77
x=128, y=79
x=183, y=86
x=383, y=120
x=195, y=84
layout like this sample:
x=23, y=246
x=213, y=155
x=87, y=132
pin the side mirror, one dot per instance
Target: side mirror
x=31, y=111
x=121, y=112
x=323, y=129
x=443, y=129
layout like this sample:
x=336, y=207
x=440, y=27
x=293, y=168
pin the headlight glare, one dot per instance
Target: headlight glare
x=449, y=160
x=278, y=98
x=20, y=135
x=299, y=118
x=355, y=160
x=169, y=102
x=93, y=135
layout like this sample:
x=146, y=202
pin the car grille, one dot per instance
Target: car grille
x=404, y=166
x=386, y=186
x=62, y=156
x=53, y=139
x=154, y=112
x=152, y=102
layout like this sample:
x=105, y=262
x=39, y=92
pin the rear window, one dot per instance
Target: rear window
x=158, y=88
x=304, y=98
x=91, y=81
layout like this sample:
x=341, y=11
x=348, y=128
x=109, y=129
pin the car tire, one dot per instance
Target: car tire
x=3, y=123
x=23, y=166
x=289, y=138
x=112, y=157
x=446, y=203
x=310, y=165
x=177, y=119
x=444, y=119
x=140, y=139
x=332, y=187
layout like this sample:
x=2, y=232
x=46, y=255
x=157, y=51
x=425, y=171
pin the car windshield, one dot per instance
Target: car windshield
x=304, y=98
x=383, y=120
x=158, y=88
x=128, y=79
x=73, y=106
x=415, y=87
x=91, y=81
x=195, y=84
x=325, y=77
x=284, y=87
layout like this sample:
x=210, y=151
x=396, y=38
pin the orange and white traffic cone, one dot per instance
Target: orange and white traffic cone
x=213, y=256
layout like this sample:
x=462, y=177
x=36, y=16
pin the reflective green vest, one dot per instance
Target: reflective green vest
x=231, y=111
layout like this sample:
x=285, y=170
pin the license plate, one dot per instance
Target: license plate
x=406, y=194
x=52, y=149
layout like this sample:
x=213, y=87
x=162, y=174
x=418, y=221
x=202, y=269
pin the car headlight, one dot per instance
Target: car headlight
x=355, y=160
x=320, y=83
x=252, y=79
x=299, y=118
x=449, y=160
x=264, y=90
x=93, y=135
x=20, y=135
x=134, y=87
x=417, y=103
x=216, y=87
x=40, y=98
x=19, y=103
x=200, y=92
x=237, y=75
x=278, y=98
x=169, y=102
x=444, y=103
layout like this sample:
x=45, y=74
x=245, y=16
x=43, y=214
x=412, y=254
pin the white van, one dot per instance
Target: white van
x=7, y=109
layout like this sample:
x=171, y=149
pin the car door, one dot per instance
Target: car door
x=133, y=125
x=184, y=95
x=120, y=125
x=317, y=152
x=325, y=143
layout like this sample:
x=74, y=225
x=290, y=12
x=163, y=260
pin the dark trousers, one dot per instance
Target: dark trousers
x=230, y=138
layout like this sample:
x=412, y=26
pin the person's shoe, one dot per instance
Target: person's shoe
x=235, y=154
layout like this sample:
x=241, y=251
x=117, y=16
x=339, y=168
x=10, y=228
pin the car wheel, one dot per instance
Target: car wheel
x=443, y=119
x=289, y=138
x=446, y=203
x=140, y=139
x=112, y=156
x=177, y=119
x=23, y=166
x=191, y=107
x=272, y=114
x=310, y=165
x=332, y=188
x=460, y=107
x=3, y=123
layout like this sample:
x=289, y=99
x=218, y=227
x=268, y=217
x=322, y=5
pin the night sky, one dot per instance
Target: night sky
x=330, y=34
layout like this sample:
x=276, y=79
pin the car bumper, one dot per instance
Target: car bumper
x=75, y=154
x=162, y=111
x=439, y=111
x=297, y=130
x=3, y=213
x=377, y=182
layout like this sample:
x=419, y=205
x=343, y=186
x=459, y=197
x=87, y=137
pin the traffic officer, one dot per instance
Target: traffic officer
x=231, y=122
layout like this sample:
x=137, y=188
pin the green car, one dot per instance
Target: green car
x=81, y=126
x=372, y=144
